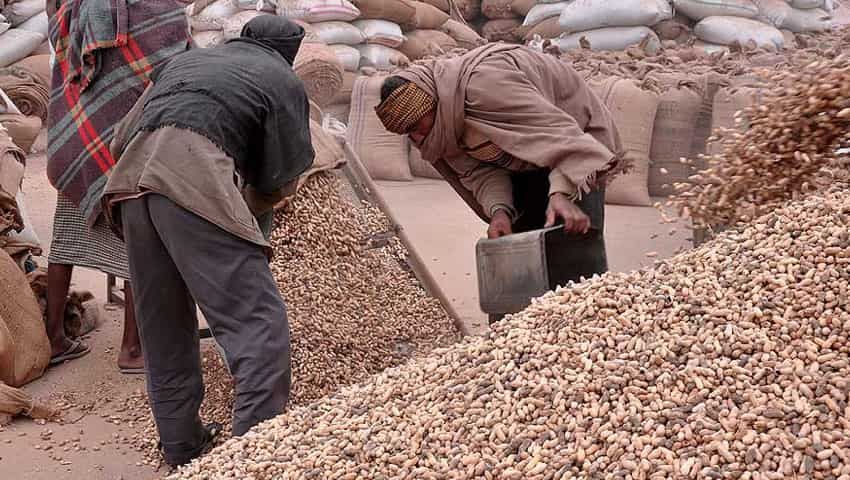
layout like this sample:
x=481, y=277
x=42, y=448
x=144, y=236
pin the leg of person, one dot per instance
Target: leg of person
x=531, y=199
x=130, y=359
x=233, y=285
x=62, y=348
x=168, y=330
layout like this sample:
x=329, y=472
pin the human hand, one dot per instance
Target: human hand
x=500, y=225
x=560, y=206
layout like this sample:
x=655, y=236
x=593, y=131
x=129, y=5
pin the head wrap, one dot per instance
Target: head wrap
x=277, y=33
x=403, y=108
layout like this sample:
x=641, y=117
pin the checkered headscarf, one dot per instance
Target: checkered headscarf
x=404, y=108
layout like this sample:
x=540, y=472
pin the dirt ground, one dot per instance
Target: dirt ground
x=91, y=443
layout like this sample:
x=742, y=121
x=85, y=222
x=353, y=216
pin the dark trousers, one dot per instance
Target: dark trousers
x=570, y=257
x=177, y=258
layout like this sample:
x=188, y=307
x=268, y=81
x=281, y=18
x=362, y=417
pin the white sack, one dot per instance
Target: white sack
x=381, y=57
x=611, y=38
x=814, y=20
x=806, y=4
x=37, y=24
x=774, y=12
x=349, y=57
x=711, y=47
x=3, y=25
x=582, y=15
x=541, y=12
x=728, y=30
x=17, y=45
x=381, y=32
x=315, y=11
x=218, y=10
x=338, y=33
x=257, y=5
x=22, y=10
x=208, y=39
x=699, y=9
x=232, y=27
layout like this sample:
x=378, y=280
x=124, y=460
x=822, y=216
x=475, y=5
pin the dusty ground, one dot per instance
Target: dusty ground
x=87, y=445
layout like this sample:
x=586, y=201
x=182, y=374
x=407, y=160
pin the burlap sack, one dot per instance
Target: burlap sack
x=26, y=89
x=548, y=28
x=422, y=43
x=419, y=167
x=673, y=133
x=396, y=11
x=344, y=93
x=708, y=84
x=17, y=44
x=384, y=154
x=503, y=30
x=728, y=102
x=427, y=17
x=38, y=66
x=349, y=57
x=633, y=110
x=522, y=7
x=443, y=5
x=468, y=9
x=462, y=34
x=23, y=130
x=11, y=174
x=14, y=402
x=321, y=71
x=700, y=9
x=731, y=30
x=22, y=316
x=497, y=9
x=672, y=29
x=329, y=153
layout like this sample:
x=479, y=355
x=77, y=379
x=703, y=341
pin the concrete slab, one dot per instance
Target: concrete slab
x=444, y=231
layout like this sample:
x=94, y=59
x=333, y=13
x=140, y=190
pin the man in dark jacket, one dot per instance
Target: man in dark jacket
x=214, y=143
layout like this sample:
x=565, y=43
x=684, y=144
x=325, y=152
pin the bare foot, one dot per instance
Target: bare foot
x=131, y=361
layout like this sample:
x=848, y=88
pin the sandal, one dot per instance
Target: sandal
x=76, y=350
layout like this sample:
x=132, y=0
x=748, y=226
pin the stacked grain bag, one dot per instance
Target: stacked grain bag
x=541, y=19
x=24, y=70
x=503, y=20
x=758, y=23
x=603, y=25
x=23, y=30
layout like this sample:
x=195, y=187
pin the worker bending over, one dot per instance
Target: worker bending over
x=215, y=142
x=517, y=133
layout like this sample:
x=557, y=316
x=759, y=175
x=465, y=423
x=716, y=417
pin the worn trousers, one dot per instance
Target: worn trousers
x=177, y=259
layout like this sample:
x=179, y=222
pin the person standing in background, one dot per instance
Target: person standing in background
x=104, y=52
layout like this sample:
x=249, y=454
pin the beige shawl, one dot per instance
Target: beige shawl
x=530, y=104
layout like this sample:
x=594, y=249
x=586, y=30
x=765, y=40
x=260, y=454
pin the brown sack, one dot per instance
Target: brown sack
x=522, y=7
x=548, y=28
x=43, y=49
x=329, y=153
x=11, y=174
x=384, y=154
x=23, y=129
x=428, y=17
x=26, y=90
x=22, y=316
x=633, y=110
x=38, y=65
x=469, y=9
x=343, y=95
x=320, y=70
x=675, y=125
x=443, y=5
x=419, y=167
x=14, y=402
x=497, y=9
x=503, y=30
x=708, y=85
x=728, y=102
x=396, y=11
x=423, y=43
x=462, y=34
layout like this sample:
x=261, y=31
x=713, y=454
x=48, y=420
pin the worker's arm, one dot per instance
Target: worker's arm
x=260, y=203
x=492, y=188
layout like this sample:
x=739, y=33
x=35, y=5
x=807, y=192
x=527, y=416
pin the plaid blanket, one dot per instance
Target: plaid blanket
x=105, y=52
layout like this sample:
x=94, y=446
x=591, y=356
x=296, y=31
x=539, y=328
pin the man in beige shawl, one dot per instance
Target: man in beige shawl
x=518, y=133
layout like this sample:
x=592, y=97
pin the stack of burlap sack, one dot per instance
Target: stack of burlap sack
x=24, y=347
x=23, y=30
x=345, y=36
x=716, y=24
x=24, y=96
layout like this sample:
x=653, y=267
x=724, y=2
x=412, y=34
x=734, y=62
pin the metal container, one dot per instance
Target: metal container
x=516, y=268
